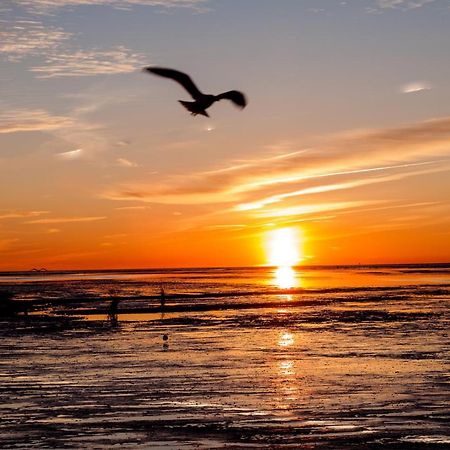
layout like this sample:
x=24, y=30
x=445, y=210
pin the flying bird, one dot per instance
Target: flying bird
x=201, y=101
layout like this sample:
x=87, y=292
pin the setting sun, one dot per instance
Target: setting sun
x=284, y=251
x=284, y=247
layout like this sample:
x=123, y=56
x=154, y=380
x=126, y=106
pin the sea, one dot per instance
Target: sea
x=343, y=357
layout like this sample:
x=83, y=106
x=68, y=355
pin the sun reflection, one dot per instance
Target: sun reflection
x=286, y=379
x=286, y=339
x=287, y=367
x=285, y=277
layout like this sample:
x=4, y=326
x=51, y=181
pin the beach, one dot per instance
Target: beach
x=322, y=357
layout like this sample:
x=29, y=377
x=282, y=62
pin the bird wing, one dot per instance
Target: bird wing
x=238, y=98
x=180, y=77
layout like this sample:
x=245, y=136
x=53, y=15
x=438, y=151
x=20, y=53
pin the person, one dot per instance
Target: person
x=112, y=313
x=162, y=298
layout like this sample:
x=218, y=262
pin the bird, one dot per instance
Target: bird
x=201, y=101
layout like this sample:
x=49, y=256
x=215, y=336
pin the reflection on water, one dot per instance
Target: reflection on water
x=288, y=383
x=285, y=277
x=287, y=367
x=286, y=339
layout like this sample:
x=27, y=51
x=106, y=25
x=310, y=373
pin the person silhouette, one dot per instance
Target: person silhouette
x=162, y=298
x=112, y=313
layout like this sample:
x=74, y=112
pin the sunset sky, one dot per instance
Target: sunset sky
x=345, y=141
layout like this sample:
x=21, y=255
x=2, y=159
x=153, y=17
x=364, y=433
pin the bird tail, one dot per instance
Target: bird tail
x=191, y=107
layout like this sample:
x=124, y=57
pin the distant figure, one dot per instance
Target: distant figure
x=202, y=101
x=162, y=298
x=112, y=313
x=165, y=341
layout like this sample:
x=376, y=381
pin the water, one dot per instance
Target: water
x=343, y=357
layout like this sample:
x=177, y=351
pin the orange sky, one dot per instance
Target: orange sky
x=346, y=140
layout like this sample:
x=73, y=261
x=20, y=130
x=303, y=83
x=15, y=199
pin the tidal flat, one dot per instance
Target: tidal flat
x=343, y=357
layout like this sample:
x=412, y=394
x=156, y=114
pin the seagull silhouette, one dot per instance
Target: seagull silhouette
x=202, y=101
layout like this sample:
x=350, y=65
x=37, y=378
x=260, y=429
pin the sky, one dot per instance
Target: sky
x=345, y=140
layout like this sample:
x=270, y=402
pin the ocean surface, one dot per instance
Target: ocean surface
x=300, y=358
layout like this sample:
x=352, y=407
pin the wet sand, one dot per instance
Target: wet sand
x=355, y=371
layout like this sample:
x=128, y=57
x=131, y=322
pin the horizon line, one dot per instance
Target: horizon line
x=262, y=266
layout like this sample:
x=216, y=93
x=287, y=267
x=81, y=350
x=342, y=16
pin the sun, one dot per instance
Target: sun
x=284, y=247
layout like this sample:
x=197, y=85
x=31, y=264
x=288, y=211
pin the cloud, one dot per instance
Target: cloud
x=402, y=4
x=126, y=163
x=66, y=220
x=31, y=120
x=20, y=214
x=25, y=38
x=49, y=5
x=323, y=188
x=227, y=226
x=72, y=154
x=131, y=207
x=85, y=137
x=312, y=209
x=89, y=63
x=29, y=37
x=344, y=156
x=415, y=86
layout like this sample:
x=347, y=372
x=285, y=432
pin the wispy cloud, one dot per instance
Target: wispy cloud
x=312, y=209
x=31, y=120
x=20, y=214
x=85, y=137
x=323, y=188
x=131, y=208
x=230, y=226
x=415, y=86
x=353, y=153
x=402, y=4
x=126, y=162
x=32, y=35
x=72, y=154
x=51, y=5
x=28, y=38
x=62, y=56
x=89, y=63
x=66, y=220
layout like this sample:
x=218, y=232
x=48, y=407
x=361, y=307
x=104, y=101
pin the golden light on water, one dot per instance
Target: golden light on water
x=286, y=339
x=285, y=277
x=287, y=367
